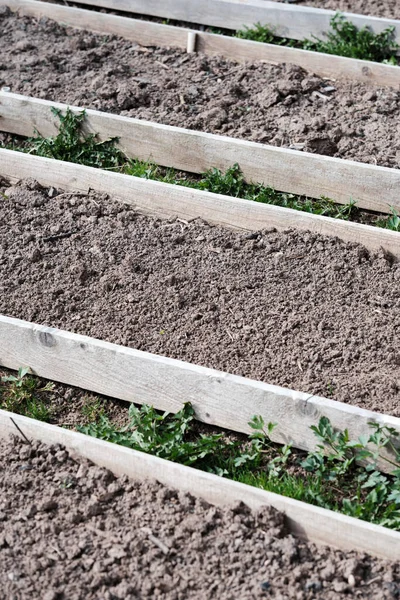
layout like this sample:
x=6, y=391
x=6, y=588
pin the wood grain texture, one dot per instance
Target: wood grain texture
x=288, y=20
x=374, y=188
x=141, y=32
x=218, y=398
x=310, y=522
x=166, y=200
x=324, y=65
x=154, y=34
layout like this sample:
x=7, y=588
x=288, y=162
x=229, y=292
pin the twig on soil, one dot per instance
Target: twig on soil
x=157, y=62
x=152, y=538
x=20, y=431
x=58, y=236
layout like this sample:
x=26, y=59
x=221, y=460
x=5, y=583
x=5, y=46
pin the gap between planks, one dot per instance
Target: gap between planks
x=167, y=200
x=312, y=523
x=218, y=398
x=289, y=21
x=155, y=34
x=372, y=187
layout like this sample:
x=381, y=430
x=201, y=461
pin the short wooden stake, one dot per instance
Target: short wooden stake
x=191, y=42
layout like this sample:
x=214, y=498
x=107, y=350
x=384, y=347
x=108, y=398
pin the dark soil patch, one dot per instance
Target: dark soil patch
x=71, y=530
x=266, y=103
x=389, y=8
x=293, y=309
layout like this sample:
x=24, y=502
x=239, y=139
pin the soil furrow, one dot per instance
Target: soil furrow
x=274, y=104
x=293, y=309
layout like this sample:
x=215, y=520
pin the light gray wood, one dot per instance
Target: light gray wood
x=374, y=188
x=288, y=20
x=165, y=200
x=310, y=522
x=154, y=34
x=144, y=33
x=324, y=65
x=218, y=398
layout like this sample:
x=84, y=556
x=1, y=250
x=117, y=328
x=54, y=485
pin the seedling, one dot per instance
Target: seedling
x=392, y=222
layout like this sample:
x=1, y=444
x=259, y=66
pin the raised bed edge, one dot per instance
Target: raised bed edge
x=219, y=398
x=316, y=524
x=374, y=188
x=296, y=22
x=154, y=34
x=167, y=200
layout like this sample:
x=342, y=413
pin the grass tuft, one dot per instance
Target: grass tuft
x=346, y=39
x=21, y=394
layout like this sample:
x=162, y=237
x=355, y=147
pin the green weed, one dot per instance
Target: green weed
x=330, y=477
x=344, y=39
x=164, y=435
x=232, y=183
x=21, y=394
x=259, y=33
x=93, y=408
x=70, y=144
x=391, y=222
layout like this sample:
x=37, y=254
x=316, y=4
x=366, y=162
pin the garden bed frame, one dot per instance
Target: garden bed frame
x=218, y=398
x=168, y=200
x=288, y=20
x=374, y=188
x=151, y=34
x=315, y=524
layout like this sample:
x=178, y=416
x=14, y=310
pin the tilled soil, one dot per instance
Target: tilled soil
x=72, y=531
x=293, y=309
x=274, y=104
x=377, y=8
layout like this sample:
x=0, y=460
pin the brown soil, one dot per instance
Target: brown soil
x=388, y=8
x=274, y=104
x=293, y=309
x=72, y=531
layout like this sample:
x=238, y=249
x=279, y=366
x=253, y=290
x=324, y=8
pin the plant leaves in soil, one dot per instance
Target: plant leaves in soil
x=344, y=39
x=72, y=145
x=330, y=477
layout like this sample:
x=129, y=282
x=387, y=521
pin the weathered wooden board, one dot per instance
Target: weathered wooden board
x=165, y=200
x=324, y=65
x=310, y=522
x=288, y=20
x=154, y=34
x=218, y=398
x=374, y=188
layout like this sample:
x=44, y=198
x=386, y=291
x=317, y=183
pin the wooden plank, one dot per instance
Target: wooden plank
x=166, y=200
x=309, y=522
x=154, y=34
x=374, y=188
x=324, y=65
x=141, y=32
x=296, y=22
x=218, y=398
